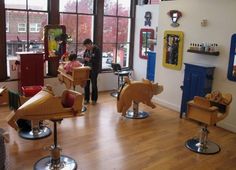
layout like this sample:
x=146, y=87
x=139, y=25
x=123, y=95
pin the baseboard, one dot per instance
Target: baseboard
x=227, y=126
x=166, y=104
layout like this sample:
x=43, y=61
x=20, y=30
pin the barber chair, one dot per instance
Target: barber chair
x=3, y=96
x=45, y=106
x=207, y=111
x=136, y=92
x=121, y=73
x=38, y=129
x=80, y=76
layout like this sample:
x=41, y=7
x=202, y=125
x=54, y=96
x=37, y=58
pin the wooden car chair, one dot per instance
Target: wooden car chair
x=45, y=106
x=80, y=76
x=120, y=73
x=208, y=111
x=3, y=96
x=136, y=92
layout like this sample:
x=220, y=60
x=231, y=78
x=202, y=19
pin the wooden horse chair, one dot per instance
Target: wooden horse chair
x=207, y=111
x=45, y=106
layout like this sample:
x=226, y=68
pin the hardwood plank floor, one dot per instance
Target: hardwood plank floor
x=103, y=140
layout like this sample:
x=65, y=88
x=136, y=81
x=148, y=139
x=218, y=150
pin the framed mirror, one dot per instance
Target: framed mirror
x=54, y=41
x=173, y=49
x=232, y=59
x=144, y=45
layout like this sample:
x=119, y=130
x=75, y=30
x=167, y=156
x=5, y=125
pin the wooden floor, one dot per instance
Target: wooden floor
x=103, y=140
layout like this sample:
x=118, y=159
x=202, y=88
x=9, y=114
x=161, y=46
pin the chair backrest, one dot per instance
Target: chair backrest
x=205, y=111
x=80, y=75
x=116, y=67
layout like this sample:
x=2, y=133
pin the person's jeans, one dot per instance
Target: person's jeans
x=93, y=79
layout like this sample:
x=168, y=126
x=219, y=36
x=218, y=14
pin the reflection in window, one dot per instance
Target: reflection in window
x=116, y=33
x=35, y=27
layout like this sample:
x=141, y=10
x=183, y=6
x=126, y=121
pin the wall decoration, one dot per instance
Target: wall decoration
x=148, y=17
x=144, y=45
x=232, y=60
x=174, y=15
x=173, y=49
x=54, y=41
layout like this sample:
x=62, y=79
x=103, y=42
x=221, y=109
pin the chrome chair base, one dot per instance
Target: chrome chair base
x=66, y=163
x=138, y=115
x=195, y=146
x=34, y=134
x=84, y=108
x=114, y=94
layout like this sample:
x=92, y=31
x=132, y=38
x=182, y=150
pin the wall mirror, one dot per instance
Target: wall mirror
x=144, y=45
x=54, y=41
x=232, y=59
x=173, y=49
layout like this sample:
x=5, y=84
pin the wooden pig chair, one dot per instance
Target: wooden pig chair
x=80, y=76
x=45, y=106
x=208, y=111
x=121, y=73
x=3, y=96
x=136, y=92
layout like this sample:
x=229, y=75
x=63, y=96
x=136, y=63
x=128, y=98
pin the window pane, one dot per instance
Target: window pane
x=110, y=29
x=38, y=5
x=123, y=54
x=124, y=8
x=85, y=28
x=37, y=21
x=85, y=6
x=108, y=55
x=70, y=20
x=67, y=5
x=123, y=30
x=110, y=7
x=15, y=41
x=15, y=4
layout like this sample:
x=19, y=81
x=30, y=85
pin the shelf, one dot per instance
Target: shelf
x=216, y=53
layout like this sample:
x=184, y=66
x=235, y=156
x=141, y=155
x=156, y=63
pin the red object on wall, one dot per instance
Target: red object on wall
x=31, y=70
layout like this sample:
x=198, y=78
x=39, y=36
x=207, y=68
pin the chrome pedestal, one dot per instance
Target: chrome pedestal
x=84, y=108
x=38, y=131
x=55, y=161
x=136, y=114
x=202, y=145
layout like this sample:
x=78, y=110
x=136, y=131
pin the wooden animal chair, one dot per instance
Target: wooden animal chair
x=208, y=111
x=136, y=92
x=79, y=76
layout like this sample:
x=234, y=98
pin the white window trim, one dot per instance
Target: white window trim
x=35, y=27
x=22, y=26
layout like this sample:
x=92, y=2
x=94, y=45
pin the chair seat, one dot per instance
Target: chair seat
x=122, y=73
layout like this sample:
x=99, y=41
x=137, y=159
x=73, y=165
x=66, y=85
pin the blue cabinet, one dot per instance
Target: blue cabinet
x=151, y=63
x=198, y=80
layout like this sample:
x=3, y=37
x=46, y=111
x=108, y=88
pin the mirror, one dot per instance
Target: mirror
x=232, y=60
x=144, y=45
x=173, y=49
x=54, y=41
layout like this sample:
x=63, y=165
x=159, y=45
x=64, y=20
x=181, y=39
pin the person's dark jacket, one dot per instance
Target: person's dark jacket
x=95, y=62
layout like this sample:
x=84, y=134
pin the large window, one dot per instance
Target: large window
x=78, y=17
x=116, y=33
x=27, y=19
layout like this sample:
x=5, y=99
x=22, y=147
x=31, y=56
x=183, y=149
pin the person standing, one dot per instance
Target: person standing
x=92, y=58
